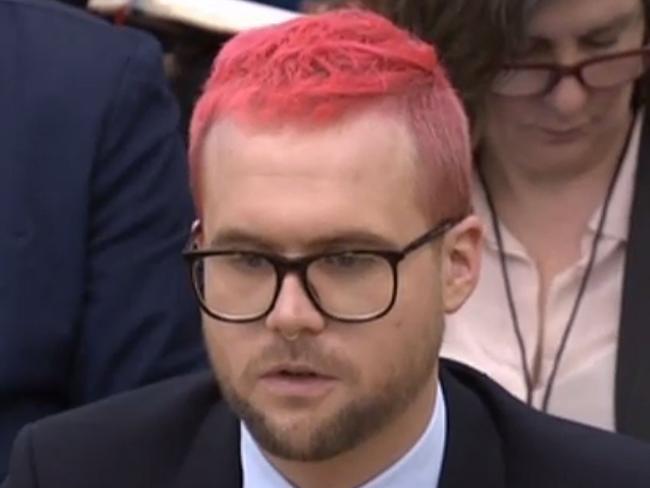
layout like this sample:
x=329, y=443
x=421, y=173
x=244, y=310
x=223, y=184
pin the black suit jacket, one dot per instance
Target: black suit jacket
x=94, y=212
x=180, y=434
x=633, y=365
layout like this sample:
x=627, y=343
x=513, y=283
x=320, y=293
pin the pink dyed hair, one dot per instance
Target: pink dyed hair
x=319, y=68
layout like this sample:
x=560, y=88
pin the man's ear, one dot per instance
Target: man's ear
x=461, y=262
x=196, y=234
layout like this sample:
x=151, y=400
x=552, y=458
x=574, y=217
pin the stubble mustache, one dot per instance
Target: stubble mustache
x=302, y=351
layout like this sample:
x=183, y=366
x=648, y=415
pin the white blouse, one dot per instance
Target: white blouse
x=481, y=334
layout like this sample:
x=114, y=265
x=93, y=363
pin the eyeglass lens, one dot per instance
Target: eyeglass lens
x=606, y=73
x=237, y=286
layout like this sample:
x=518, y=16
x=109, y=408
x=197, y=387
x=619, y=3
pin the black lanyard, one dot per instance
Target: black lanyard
x=528, y=377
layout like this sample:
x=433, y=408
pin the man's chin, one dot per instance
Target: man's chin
x=294, y=437
x=312, y=435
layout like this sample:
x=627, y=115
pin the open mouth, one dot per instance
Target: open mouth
x=294, y=381
x=296, y=374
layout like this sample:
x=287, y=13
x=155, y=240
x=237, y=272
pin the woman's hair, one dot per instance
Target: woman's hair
x=473, y=37
x=470, y=35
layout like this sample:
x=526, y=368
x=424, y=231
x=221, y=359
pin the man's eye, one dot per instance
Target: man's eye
x=247, y=261
x=350, y=261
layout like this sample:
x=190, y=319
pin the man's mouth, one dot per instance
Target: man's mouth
x=296, y=371
x=297, y=380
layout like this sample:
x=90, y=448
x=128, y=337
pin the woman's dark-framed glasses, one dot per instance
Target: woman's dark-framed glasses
x=609, y=71
x=347, y=286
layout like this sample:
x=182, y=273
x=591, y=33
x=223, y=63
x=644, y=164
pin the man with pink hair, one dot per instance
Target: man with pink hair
x=330, y=163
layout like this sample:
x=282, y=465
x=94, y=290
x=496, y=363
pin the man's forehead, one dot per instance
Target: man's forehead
x=293, y=185
x=356, y=147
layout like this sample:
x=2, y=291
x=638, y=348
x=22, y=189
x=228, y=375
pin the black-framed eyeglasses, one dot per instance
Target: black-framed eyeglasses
x=347, y=286
x=609, y=71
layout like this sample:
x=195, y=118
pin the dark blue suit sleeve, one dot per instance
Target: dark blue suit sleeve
x=21, y=472
x=140, y=322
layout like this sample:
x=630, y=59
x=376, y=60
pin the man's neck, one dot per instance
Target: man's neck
x=372, y=457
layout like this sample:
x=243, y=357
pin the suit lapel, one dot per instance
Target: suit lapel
x=214, y=460
x=473, y=454
x=633, y=362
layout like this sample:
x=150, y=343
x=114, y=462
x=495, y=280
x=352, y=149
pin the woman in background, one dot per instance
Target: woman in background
x=561, y=315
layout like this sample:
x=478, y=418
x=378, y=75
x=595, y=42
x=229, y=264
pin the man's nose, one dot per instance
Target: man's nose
x=294, y=313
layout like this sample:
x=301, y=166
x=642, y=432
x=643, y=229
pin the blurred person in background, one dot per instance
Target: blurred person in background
x=556, y=92
x=191, y=33
x=94, y=213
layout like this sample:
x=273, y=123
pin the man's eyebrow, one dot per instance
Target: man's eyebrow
x=339, y=240
x=235, y=238
x=354, y=239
